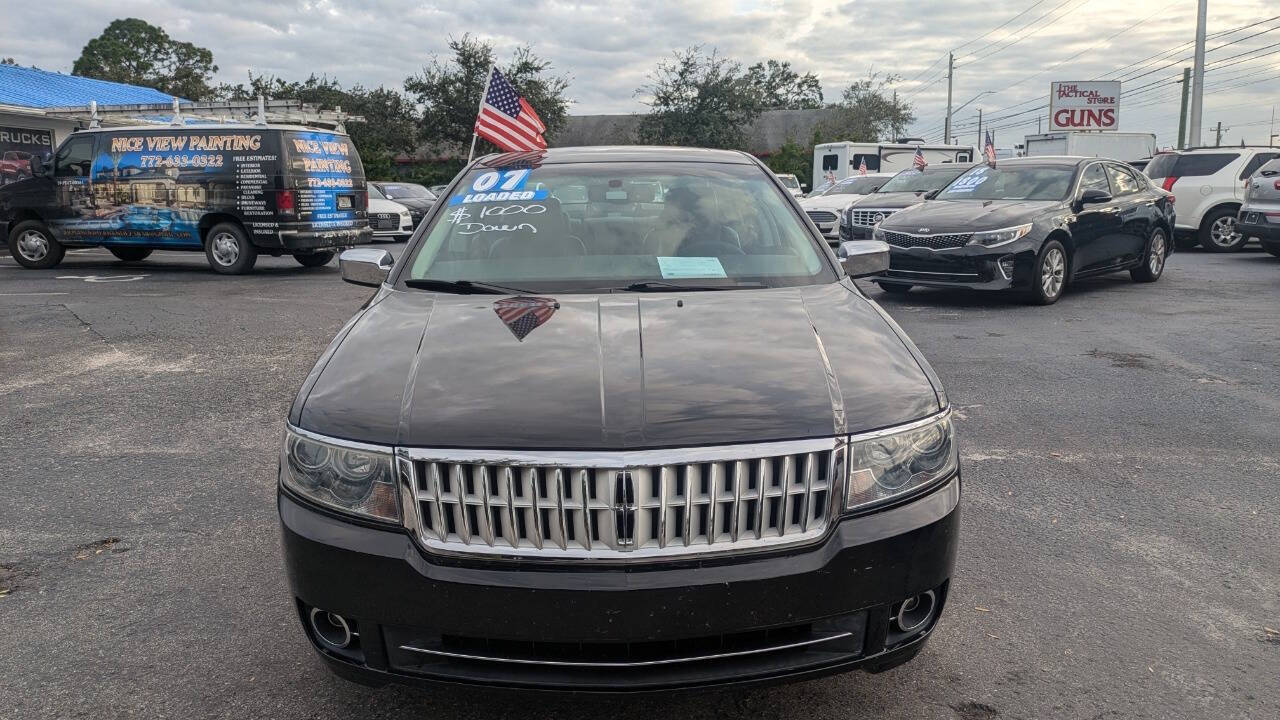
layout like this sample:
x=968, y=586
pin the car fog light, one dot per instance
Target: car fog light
x=1006, y=267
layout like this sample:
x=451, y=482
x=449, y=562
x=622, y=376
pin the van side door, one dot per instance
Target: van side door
x=72, y=213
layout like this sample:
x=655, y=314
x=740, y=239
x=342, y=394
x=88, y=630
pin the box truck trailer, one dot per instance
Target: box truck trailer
x=833, y=162
x=1126, y=146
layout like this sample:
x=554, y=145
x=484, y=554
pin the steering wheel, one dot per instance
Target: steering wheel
x=713, y=247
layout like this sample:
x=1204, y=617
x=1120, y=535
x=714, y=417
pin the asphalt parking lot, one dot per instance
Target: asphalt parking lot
x=1120, y=551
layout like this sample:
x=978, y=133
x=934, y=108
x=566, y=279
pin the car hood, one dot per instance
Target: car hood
x=378, y=205
x=616, y=371
x=415, y=203
x=834, y=203
x=889, y=200
x=939, y=216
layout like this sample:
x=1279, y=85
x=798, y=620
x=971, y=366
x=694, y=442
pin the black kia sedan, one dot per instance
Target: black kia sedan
x=907, y=188
x=588, y=437
x=1033, y=225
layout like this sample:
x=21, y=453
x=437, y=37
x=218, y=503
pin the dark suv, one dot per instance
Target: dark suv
x=552, y=454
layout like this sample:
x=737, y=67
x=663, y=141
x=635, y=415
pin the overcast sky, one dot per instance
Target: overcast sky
x=1013, y=47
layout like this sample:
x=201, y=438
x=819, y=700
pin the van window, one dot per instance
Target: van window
x=872, y=160
x=830, y=162
x=1188, y=164
x=75, y=158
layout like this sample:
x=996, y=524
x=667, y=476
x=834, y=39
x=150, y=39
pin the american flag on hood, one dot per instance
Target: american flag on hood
x=989, y=149
x=523, y=315
x=918, y=162
x=507, y=120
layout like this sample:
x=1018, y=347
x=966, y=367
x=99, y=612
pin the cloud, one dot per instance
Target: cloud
x=609, y=48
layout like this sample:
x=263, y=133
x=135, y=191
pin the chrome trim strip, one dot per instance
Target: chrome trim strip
x=622, y=459
x=926, y=272
x=638, y=663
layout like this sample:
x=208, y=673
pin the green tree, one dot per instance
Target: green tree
x=781, y=88
x=389, y=126
x=449, y=91
x=136, y=52
x=792, y=158
x=868, y=111
x=699, y=99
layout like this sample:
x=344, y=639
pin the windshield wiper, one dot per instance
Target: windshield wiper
x=662, y=286
x=464, y=287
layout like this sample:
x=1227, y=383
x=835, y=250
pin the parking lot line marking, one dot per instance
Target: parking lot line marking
x=32, y=293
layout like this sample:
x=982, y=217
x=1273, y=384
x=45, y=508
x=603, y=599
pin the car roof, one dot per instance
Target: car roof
x=1064, y=160
x=618, y=153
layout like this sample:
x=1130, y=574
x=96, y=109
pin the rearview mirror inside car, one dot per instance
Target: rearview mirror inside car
x=365, y=266
x=1094, y=195
x=861, y=258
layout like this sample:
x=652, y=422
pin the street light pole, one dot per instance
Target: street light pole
x=1197, y=80
x=951, y=68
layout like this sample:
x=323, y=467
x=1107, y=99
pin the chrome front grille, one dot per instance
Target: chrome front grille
x=384, y=221
x=621, y=505
x=868, y=218
x=937, y=242
x=821, y=216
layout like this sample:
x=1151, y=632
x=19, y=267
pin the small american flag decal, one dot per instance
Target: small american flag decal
x=523, y=315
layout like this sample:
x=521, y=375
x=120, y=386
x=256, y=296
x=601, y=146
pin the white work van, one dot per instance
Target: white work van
x=836, y=161
x=1126, y=146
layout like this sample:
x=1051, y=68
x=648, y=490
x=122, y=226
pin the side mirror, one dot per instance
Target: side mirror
x=365, y=266
x=1094, y=195
x=38, y=166
x=931, y=194
x=861, y=258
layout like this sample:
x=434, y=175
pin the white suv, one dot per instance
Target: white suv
x=1209, y=184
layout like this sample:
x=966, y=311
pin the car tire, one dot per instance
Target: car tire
x=130, y=254
x=228, y=249
x=1050, y=273
x=1154, y=256
x=32, y=244
x=1216, y=229
x=894, y=288
x=314, y=259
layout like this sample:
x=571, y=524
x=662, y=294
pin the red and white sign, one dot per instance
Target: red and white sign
x=1090, y=105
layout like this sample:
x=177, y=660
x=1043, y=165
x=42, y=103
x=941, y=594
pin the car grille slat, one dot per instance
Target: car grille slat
x=821, y=216
x=936, y=242
x=716, y=503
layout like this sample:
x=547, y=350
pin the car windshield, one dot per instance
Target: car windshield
x=394, y=191
x=618, y=227
x=789, y=181
x=856, y=185
x=921, y=180
x=1011, y=182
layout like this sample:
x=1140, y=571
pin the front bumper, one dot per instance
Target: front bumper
x=971, y=266
x=708, y=622
x=324, y=239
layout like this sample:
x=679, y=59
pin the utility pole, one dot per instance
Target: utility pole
x=979, y=127
x=1037, y=124
x=1182, y=110
x=951, y=68
x=1197, y=80
x=1217, y=141
x=895, y=116
x=1271, y=130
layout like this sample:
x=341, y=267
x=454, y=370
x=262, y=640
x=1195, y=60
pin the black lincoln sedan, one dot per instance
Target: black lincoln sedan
x=665, y=442
x=903, y=190
x=1031, y=224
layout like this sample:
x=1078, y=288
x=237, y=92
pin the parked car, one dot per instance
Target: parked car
x=438, y=190
x=825, y=208
x=486, y=481
x=417, y=198
x=902, y=190
x=1209, y=184
x=1260, y=213
x=792, y=184
x=15, y=165
x=231, y=191
x=1032, y=224
x=389, y=219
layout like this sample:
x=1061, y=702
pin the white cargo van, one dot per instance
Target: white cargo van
x=836, y=161
x=1126, y=146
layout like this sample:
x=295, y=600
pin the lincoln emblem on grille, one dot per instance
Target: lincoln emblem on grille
x=624, y=508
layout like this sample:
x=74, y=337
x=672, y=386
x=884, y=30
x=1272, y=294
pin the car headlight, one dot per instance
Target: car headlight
x=404, y=215
x=1003, y=236
x=900, y=462
x=356, y=479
